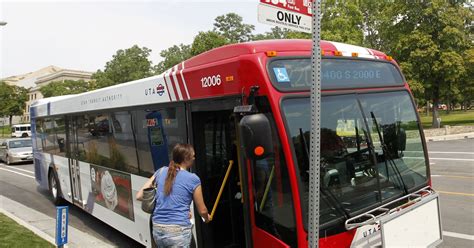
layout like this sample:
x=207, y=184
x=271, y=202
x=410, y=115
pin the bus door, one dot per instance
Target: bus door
x=214, y=140
x=74, y=171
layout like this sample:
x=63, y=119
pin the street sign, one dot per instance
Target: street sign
x=61, y=225
x=283, y=18
x=303, y=7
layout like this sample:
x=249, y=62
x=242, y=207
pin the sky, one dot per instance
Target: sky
x=84, y=35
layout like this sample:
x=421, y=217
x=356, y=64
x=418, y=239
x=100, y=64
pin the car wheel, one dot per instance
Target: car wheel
x=7, y=160
x=54, y=188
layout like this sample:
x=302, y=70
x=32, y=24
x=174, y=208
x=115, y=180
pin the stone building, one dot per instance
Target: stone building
x=60, y=75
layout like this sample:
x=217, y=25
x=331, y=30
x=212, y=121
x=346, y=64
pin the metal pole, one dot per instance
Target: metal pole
x=314, y=169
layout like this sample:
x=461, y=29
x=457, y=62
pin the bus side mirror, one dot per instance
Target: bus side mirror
x=256, y=136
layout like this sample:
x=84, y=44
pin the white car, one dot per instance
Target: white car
x=16, y=150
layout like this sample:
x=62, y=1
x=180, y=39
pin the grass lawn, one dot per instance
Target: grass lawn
x=14, y=235
x=455, y=118
x=5, y=131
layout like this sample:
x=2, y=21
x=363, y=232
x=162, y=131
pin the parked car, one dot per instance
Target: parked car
x=16, y=150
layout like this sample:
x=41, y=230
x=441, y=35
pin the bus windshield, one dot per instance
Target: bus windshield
x=371, y=150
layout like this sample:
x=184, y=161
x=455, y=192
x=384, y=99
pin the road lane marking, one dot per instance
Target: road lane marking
x=13, y=168
x=452, y=176
x=453, y=159
x=471, y=153
x=454, y=193
x=458, y=235
x=17, y=173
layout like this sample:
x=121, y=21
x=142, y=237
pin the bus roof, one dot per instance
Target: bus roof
x=173, y=84
x=293, y=45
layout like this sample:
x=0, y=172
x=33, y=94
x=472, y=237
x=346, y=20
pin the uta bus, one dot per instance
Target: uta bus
x=248, y=105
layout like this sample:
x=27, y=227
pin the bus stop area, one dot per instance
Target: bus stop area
x=43, y=225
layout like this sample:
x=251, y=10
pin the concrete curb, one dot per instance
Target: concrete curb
x=451, y=137
x=45, y=226
x=35, y=230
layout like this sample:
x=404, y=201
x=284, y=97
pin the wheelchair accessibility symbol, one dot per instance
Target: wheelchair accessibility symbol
x=281, y=75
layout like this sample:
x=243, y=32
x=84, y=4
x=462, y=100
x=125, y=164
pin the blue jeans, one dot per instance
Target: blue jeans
x=172, y=235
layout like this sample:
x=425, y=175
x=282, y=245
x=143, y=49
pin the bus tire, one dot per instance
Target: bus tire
x=54, y=188
x=24, y=135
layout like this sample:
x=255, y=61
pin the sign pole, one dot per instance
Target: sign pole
x=314, y=169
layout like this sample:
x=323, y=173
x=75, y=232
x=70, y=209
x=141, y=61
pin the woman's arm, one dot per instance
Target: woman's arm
x=148, y=184
x=199, y=200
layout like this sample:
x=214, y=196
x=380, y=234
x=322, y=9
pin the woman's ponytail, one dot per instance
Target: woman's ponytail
x=181, y=153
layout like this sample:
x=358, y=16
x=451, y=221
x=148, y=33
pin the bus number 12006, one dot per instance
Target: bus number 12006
x=211, y=81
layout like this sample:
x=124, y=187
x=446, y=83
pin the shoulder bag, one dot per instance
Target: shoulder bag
x=149, y=195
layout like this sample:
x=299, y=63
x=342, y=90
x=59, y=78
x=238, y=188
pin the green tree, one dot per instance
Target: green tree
x=172, y=56
x=126, y=65
x=12, y=100
x=429, y=38
x=206, y=41
x=66, y=87
x=342, y=21
x=467, y=81
x=231, y=27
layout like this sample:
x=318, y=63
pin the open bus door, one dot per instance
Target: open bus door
x=214, y=140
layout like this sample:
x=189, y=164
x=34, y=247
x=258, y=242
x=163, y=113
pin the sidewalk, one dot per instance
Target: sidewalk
x=45, y=226
x=450, y=137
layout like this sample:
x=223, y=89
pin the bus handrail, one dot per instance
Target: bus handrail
x=231, y=162
x=352, y=223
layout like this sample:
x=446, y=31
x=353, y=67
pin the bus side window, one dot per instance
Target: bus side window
x=157, y=130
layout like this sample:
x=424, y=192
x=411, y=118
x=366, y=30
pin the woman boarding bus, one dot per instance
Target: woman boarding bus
x=245, y=108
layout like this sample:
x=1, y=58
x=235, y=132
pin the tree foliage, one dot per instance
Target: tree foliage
x=126, y=65
x=342, y=21
x=172, y=56
x=12, y=100
x=429, y=38
x=206, y=41
x=231, y=27
x=66, y=87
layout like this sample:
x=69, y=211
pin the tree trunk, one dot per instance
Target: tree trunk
x=10, y=119
x=435, y=122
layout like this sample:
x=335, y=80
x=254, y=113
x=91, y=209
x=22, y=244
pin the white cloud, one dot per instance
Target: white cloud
x=85, y=35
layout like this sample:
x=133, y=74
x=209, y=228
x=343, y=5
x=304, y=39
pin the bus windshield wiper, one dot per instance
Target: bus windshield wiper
x=336, y=203
x=387, y=154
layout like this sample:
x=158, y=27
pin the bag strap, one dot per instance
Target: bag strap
x=158, y=177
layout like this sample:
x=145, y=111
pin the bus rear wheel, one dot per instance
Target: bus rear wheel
x=54, y=188
x=24, y=135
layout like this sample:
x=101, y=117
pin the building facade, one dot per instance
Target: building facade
x=61, y=76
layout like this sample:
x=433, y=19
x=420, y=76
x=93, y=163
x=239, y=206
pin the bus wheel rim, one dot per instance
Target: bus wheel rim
x=54, y=189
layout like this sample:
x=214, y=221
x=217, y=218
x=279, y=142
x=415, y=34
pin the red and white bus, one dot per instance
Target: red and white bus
x=250, y=103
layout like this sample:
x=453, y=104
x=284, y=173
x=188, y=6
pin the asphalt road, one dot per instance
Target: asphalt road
x=452, y=169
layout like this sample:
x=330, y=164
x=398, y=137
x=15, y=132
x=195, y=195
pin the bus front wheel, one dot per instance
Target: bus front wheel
x=24, y=135
x=54, y=188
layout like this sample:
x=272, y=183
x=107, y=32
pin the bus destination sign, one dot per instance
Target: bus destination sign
x=290, y=14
